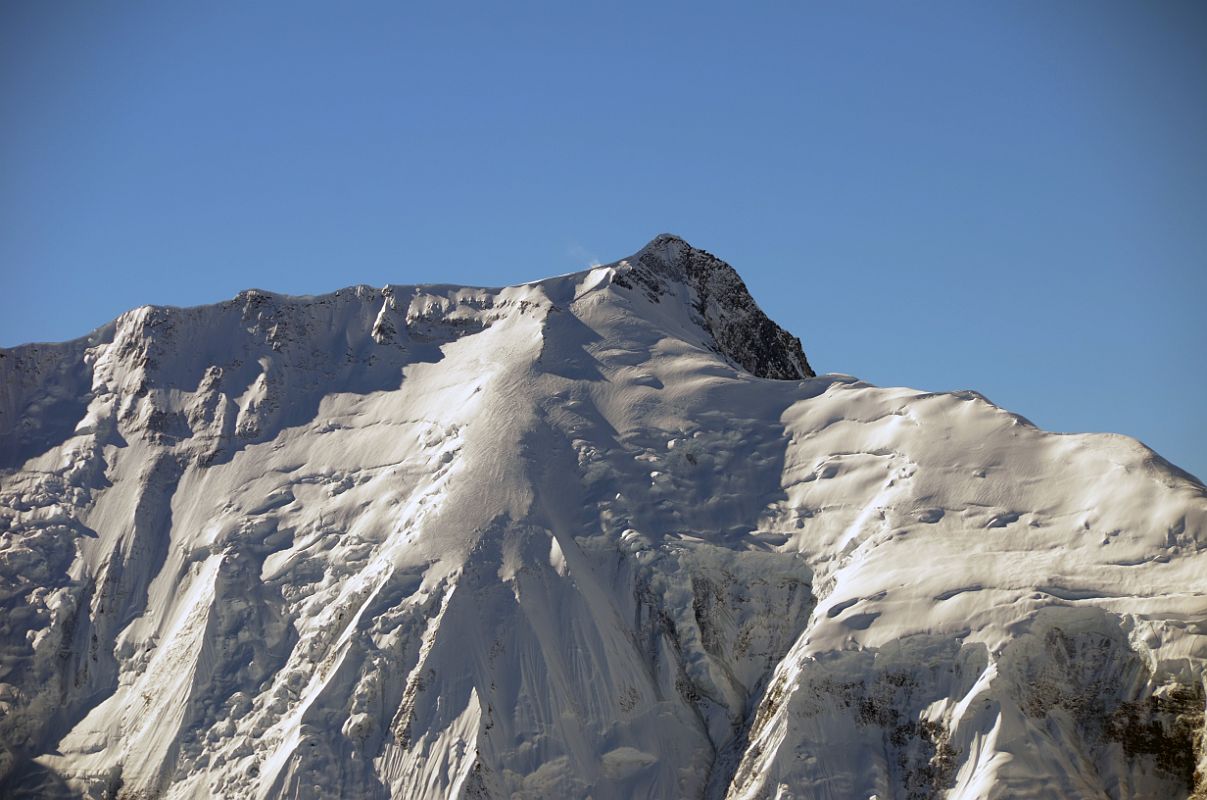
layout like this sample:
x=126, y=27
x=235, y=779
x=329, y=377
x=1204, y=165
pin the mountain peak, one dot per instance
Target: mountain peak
x=443, y=542
x=721, y=304
x=666, y=243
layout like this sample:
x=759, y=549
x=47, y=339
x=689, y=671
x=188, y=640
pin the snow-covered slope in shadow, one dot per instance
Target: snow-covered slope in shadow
x=600, y=535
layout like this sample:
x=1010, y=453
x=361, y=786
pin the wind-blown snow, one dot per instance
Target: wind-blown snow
x=571, y=539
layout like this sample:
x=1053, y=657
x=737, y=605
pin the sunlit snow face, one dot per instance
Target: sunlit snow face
x=557, y=540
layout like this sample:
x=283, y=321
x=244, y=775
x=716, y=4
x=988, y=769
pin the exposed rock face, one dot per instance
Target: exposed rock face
x=566, y=539
x=724, y=307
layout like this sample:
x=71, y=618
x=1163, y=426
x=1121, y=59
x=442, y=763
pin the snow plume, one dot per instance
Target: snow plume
x=582, y=255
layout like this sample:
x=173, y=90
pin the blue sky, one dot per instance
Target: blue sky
x=1010, y=197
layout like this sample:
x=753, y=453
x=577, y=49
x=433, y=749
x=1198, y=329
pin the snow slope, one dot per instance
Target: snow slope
x=603, y=535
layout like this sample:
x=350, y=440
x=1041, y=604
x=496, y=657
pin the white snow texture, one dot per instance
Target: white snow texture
x=603, y=535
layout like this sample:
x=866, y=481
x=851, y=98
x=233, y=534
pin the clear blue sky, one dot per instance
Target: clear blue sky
x=1010, y=197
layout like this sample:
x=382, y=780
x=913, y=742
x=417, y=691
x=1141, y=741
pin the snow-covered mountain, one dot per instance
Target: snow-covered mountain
x=603, y=535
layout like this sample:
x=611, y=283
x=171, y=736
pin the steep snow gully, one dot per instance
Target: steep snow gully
x=604, y=535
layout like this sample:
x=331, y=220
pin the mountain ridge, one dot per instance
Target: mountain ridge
x=558, y=540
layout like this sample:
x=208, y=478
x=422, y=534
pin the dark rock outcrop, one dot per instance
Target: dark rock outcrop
x=739, y=328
